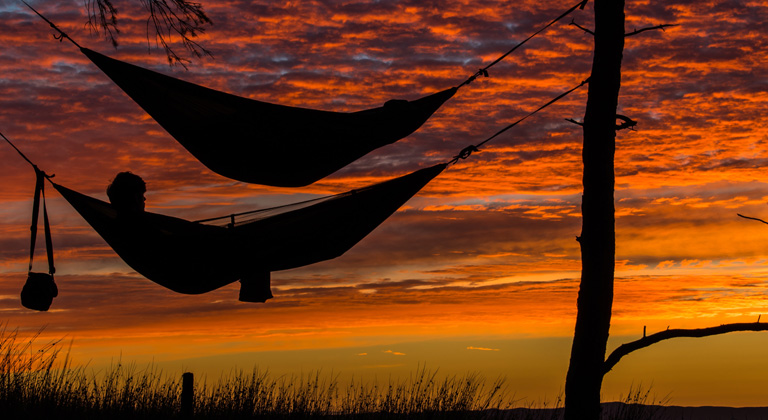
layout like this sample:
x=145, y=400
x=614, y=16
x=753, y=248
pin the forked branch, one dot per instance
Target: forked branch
x=627, y=348
x=635, y=32
x=573, y=22
x=650, y=28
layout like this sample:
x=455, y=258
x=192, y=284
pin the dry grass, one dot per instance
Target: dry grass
x=41, y=383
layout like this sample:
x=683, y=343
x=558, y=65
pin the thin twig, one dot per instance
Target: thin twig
x=650, y=28
x=627, y=348
x=102, y=14
x=167, y=19
x=573, y=22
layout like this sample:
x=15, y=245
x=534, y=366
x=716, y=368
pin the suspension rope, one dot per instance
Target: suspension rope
x=467, y=151
x=17, y=150
x=37, y=170
x=61, y=35
x=484, y=71
x=245, y=213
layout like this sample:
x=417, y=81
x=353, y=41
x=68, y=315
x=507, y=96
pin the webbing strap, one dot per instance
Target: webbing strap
x=40, y=193
x=484, y=71
x=35, y=213
x=467, y=151
x=561, y=96
x=48, y=238
x=62, y=35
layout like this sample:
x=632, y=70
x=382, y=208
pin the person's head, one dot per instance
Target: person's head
x=126, y=192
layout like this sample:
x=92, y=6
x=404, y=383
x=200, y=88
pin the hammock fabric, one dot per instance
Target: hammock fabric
x=193, y=258
x=260, y=142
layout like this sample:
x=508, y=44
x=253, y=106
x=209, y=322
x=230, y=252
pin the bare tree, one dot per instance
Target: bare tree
x=166, y=20
x=588, y=364
x=597, y=240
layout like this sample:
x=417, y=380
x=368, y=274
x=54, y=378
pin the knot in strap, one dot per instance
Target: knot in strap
x=465, y=153
x=480, y=72
x=41, y=174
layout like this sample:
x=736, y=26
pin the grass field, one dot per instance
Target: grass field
x=40, y=382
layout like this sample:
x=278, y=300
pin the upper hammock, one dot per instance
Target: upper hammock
x=263, y=143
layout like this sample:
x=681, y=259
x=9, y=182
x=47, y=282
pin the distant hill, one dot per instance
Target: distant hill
x=623, y=411
x=711, y=413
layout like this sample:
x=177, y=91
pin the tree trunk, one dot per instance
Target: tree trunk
x=597, y=240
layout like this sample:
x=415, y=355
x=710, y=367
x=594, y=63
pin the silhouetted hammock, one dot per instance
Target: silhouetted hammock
x=194, y=257
x=264, y=143
x=260, y=142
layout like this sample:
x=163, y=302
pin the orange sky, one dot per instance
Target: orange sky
x=475, y=273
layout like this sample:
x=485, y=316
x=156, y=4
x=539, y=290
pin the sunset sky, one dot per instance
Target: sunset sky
x=477, y=273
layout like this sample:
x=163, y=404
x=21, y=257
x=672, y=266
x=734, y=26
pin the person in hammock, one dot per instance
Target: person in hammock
x=126, y=194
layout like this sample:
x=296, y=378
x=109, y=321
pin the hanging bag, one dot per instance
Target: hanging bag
x=40, y=289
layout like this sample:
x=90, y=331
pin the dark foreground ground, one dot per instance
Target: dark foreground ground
x=611, y=411
x=622, y=411
x=708, y=413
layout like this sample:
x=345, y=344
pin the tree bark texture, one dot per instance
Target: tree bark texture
x=597, y=240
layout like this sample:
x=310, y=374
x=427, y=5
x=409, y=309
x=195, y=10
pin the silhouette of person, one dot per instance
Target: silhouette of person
x=126, y=193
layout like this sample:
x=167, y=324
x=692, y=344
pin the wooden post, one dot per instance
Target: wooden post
x=187, y=394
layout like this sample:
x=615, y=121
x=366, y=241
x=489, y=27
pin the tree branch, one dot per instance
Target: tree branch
x=752, y=218
x=102, y=14
x=168, y=19
x=627, y=122
x=650, y=28
x=573, y=22
x=185, y=18
x=627, y=348
x=571, y=120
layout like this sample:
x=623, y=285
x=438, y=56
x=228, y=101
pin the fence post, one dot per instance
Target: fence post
x=187, y=394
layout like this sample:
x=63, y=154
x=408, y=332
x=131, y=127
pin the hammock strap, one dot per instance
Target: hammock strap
x=61, y=35
x=35, y=214
x=467, y=151
x=37, y=170
x=48, y=238
x=40, y=193
x=484, y=71
x=18, y=151
x=40, y=178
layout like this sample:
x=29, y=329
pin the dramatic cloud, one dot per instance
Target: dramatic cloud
x=487, y=249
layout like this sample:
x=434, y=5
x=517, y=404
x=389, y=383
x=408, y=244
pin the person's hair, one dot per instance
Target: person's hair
x=124, y=188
